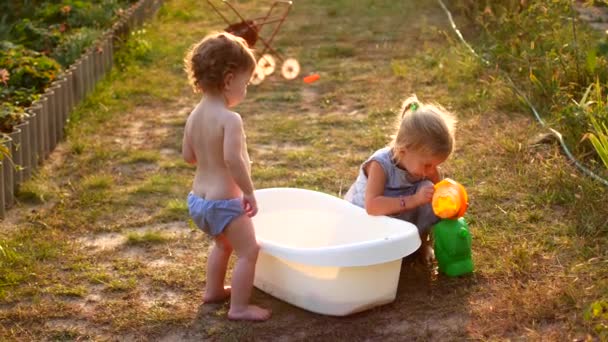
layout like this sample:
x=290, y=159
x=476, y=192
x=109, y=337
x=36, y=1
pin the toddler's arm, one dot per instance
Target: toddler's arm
x=187, y=151
x=378, y=204
x=234, y=142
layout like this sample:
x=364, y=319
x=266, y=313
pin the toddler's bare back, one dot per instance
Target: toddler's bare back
x=204, y=134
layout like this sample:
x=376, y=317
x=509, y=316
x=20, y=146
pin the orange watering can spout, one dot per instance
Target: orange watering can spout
x=450, y=199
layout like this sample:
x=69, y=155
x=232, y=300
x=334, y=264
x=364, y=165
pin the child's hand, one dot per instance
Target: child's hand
x=424, y=194
x=250, y=205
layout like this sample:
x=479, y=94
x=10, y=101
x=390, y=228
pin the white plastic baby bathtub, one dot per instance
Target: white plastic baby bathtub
x=326, y=255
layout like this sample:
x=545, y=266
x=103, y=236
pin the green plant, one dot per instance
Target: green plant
x=32, y=36
x=73, y=45
x=597, y=314
x=13, y=10
x=599, y=139
x=134, y=49
x=596, y=111
x=10, y=116
x=550, y=56
x=76, y=13
x=27, y=68
x=149, y=237
x=18, y=96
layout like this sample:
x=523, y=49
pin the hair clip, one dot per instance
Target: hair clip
x=411, y=107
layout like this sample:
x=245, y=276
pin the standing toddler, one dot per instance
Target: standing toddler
x=222, y=202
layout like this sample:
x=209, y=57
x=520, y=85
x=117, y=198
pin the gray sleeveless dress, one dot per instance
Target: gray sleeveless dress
x=398, y=183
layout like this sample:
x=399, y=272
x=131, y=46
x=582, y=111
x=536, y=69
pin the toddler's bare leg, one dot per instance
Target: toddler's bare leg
x=217, y=262
x=241, y=235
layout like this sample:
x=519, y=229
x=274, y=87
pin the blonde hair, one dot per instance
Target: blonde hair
x=209, y=61
x=427, y=128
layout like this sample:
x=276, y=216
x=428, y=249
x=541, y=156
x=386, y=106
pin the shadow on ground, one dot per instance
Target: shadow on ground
x=427, y=306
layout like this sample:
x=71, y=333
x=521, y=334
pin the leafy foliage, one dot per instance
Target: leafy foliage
x=597, y=314
x=596, y=110
x=30, y=72
x=35, y=37
x=600, y=140
x=10, y=116
x=544, y=47
x=77, y=13
x=39, y=37
x=27, y=68
x=135, y=48
x=73, y=45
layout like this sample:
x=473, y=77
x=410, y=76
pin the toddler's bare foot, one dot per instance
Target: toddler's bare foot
x=217, y=296
x=250, y=313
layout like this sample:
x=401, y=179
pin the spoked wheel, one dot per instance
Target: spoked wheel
x=290, y=68
x=266, y=67
x=267, y=64
x=258, y=76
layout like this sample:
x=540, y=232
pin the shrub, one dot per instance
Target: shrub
x=18, y=96
x=597, y=111
x=597, y=315
x=134, y=49
x=599, y=139
x=78, y=13
x=73, y=45
x=34, y=37
x=548, y=54
x=13, y=10
x=28, y=69
x=10, y=116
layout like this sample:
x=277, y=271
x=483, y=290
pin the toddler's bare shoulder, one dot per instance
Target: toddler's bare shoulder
x=228, y=116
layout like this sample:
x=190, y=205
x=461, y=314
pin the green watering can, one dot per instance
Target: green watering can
x=452, y=239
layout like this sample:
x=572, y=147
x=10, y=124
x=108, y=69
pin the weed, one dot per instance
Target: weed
x=157, y=184
x=174, y=210
x=149, y=237
x=97, y=182
x=142, y=157
x=119, y=285
x=553, y=58
x=62, y=290
x=135, y=49
x=35, y=190
x=597, y=315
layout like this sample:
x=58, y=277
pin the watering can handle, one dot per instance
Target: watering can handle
x=463, y=233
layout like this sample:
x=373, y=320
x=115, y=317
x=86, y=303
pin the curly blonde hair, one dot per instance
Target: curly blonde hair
x=209, y=61
x=427, y=128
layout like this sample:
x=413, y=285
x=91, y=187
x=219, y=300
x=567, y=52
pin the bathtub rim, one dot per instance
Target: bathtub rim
x=384, y=249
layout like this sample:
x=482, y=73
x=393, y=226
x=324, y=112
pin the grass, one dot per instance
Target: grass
x=142, y=157
x=97, y=182
x=174, y=210
x=36, y=191
x=25, y=254
x=539, y=227
x=146, y=238
x=553, y=60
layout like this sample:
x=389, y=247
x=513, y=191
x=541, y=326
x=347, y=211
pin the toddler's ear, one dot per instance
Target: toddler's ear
x=228, y=80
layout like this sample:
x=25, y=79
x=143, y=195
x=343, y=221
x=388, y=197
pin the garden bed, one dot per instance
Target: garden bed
x=52, y=60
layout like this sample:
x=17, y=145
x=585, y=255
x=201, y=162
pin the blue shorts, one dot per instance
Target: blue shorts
x=213, y=216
